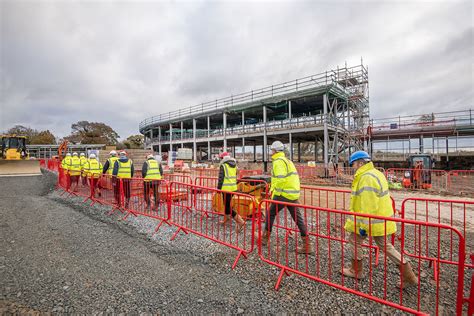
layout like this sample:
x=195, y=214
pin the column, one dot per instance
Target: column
x=224, y=128
x=171, y=137
x=209, y=158
x=159, y=140
x=290, y=135
x=243, y=137
x=421, y=144
x=299, y=152
x=326, y=133
x=254, y=152
x=265, y=140
x=194, y=141
x=182, y=131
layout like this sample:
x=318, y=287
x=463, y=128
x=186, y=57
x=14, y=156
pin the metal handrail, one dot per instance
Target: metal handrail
x=339, y=76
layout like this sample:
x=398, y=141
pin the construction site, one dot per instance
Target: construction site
x=79, y=242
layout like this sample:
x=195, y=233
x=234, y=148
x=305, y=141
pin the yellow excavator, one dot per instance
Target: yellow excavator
x=15, y=159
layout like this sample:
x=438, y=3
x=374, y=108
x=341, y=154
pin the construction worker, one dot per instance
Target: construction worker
x=370, y=195
x=109, y=164
x=93, y=170
x=74, y=170
x=65, y=166
x=123, y=170
x=152, y=172
x=228, y=183
x=83, y=159
x=285, y=187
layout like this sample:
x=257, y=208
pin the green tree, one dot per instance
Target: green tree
x=85, y=132
x=34, y=137
x=136, y=141
x=43, y=138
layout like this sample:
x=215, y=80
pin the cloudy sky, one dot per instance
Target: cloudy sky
x=121, y=61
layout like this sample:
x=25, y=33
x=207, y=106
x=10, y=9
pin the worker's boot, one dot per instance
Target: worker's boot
x=355, y=270
x=225, y=219
x=240, y=223
x=408, y=276
x=305, y=246
x=127, y=204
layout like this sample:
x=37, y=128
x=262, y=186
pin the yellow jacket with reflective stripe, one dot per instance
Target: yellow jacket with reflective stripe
x=230, y=178
x=124, y=169
x=83, y=163
x=93, y=168
x=153, y=170
x=285, y=179
x=65, y=163
x=111, y=161
x=370, y=195
x=74, y=166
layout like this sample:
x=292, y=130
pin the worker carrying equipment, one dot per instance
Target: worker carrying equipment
x=227, y=182
x=152, y=172
x=370, y=195
x=285, y=187
x=123, y=169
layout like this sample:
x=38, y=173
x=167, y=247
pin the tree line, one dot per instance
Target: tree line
x=82, y=132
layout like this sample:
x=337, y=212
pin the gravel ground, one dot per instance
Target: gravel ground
x=60, y=255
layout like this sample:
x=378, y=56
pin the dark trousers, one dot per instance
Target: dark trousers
x=227, y=204
x=294, y=212
x=84, y=179
x=151, y=185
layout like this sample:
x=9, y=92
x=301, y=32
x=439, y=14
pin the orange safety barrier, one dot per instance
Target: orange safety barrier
x=208, y=182
x=419, y=179
x=204, y=172
x=461, y=181
x=248, y=173
x=42, y=163
x=178, y=177
x=198, y=213
x=332, y=252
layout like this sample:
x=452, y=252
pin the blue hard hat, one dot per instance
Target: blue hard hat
x=358, y=155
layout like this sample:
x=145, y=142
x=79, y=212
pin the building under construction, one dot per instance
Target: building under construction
x=329, y=110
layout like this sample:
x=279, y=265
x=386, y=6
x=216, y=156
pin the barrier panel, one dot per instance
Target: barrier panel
x=150, y=200
x=208, y=182
x=247, y=173
x=204, y=172
x=419, y=179
x=178, y=177
x=53, y=165
x=461, y=181
x=199, y=211
x=42, y=163
x=63, y=180
x=335, y=248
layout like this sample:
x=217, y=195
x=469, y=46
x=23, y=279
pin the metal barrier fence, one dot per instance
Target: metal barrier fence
x=332, y=254
x=247, y=173
x=461, y=181
x=419, y=179
x=199, y=211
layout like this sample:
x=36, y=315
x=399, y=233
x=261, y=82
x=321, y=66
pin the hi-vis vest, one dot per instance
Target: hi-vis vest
x=93, y=168
x=65, y=163
x=230, y=178
x=370, y=196
x=111, y=161
x=124, y=169
x=285, y=179
x=74, y=166
x=153, y=170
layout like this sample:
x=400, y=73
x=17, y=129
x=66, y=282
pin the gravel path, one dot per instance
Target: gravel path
x=60, y=255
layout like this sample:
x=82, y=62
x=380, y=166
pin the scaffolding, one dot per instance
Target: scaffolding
x=330, y=108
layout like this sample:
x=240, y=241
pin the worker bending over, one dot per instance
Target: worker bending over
x=228, y=183
x=123, y=170
x=152, y=173
x=285, y=187
x=370, y=195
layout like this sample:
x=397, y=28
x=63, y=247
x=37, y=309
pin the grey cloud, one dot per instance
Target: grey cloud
x=121, y=62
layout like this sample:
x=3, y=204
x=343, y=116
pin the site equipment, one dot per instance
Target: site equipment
x=418, y=174
x=15, y=159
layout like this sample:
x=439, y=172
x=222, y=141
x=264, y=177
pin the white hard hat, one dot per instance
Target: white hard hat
x=74, y=154
x=277, y=146
x=150, y=156
x=82, y=154
x=92, y=156
x=123, y=153
x=68, y=154
x=113, y=153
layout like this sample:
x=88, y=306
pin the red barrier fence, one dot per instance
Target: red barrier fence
x=248, y=173
x=419, y=179
x=461, y=181
x=331, y=256
x=209, y=182
x=200, y=210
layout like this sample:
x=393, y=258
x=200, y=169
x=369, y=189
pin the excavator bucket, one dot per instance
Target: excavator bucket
x=9, y=168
